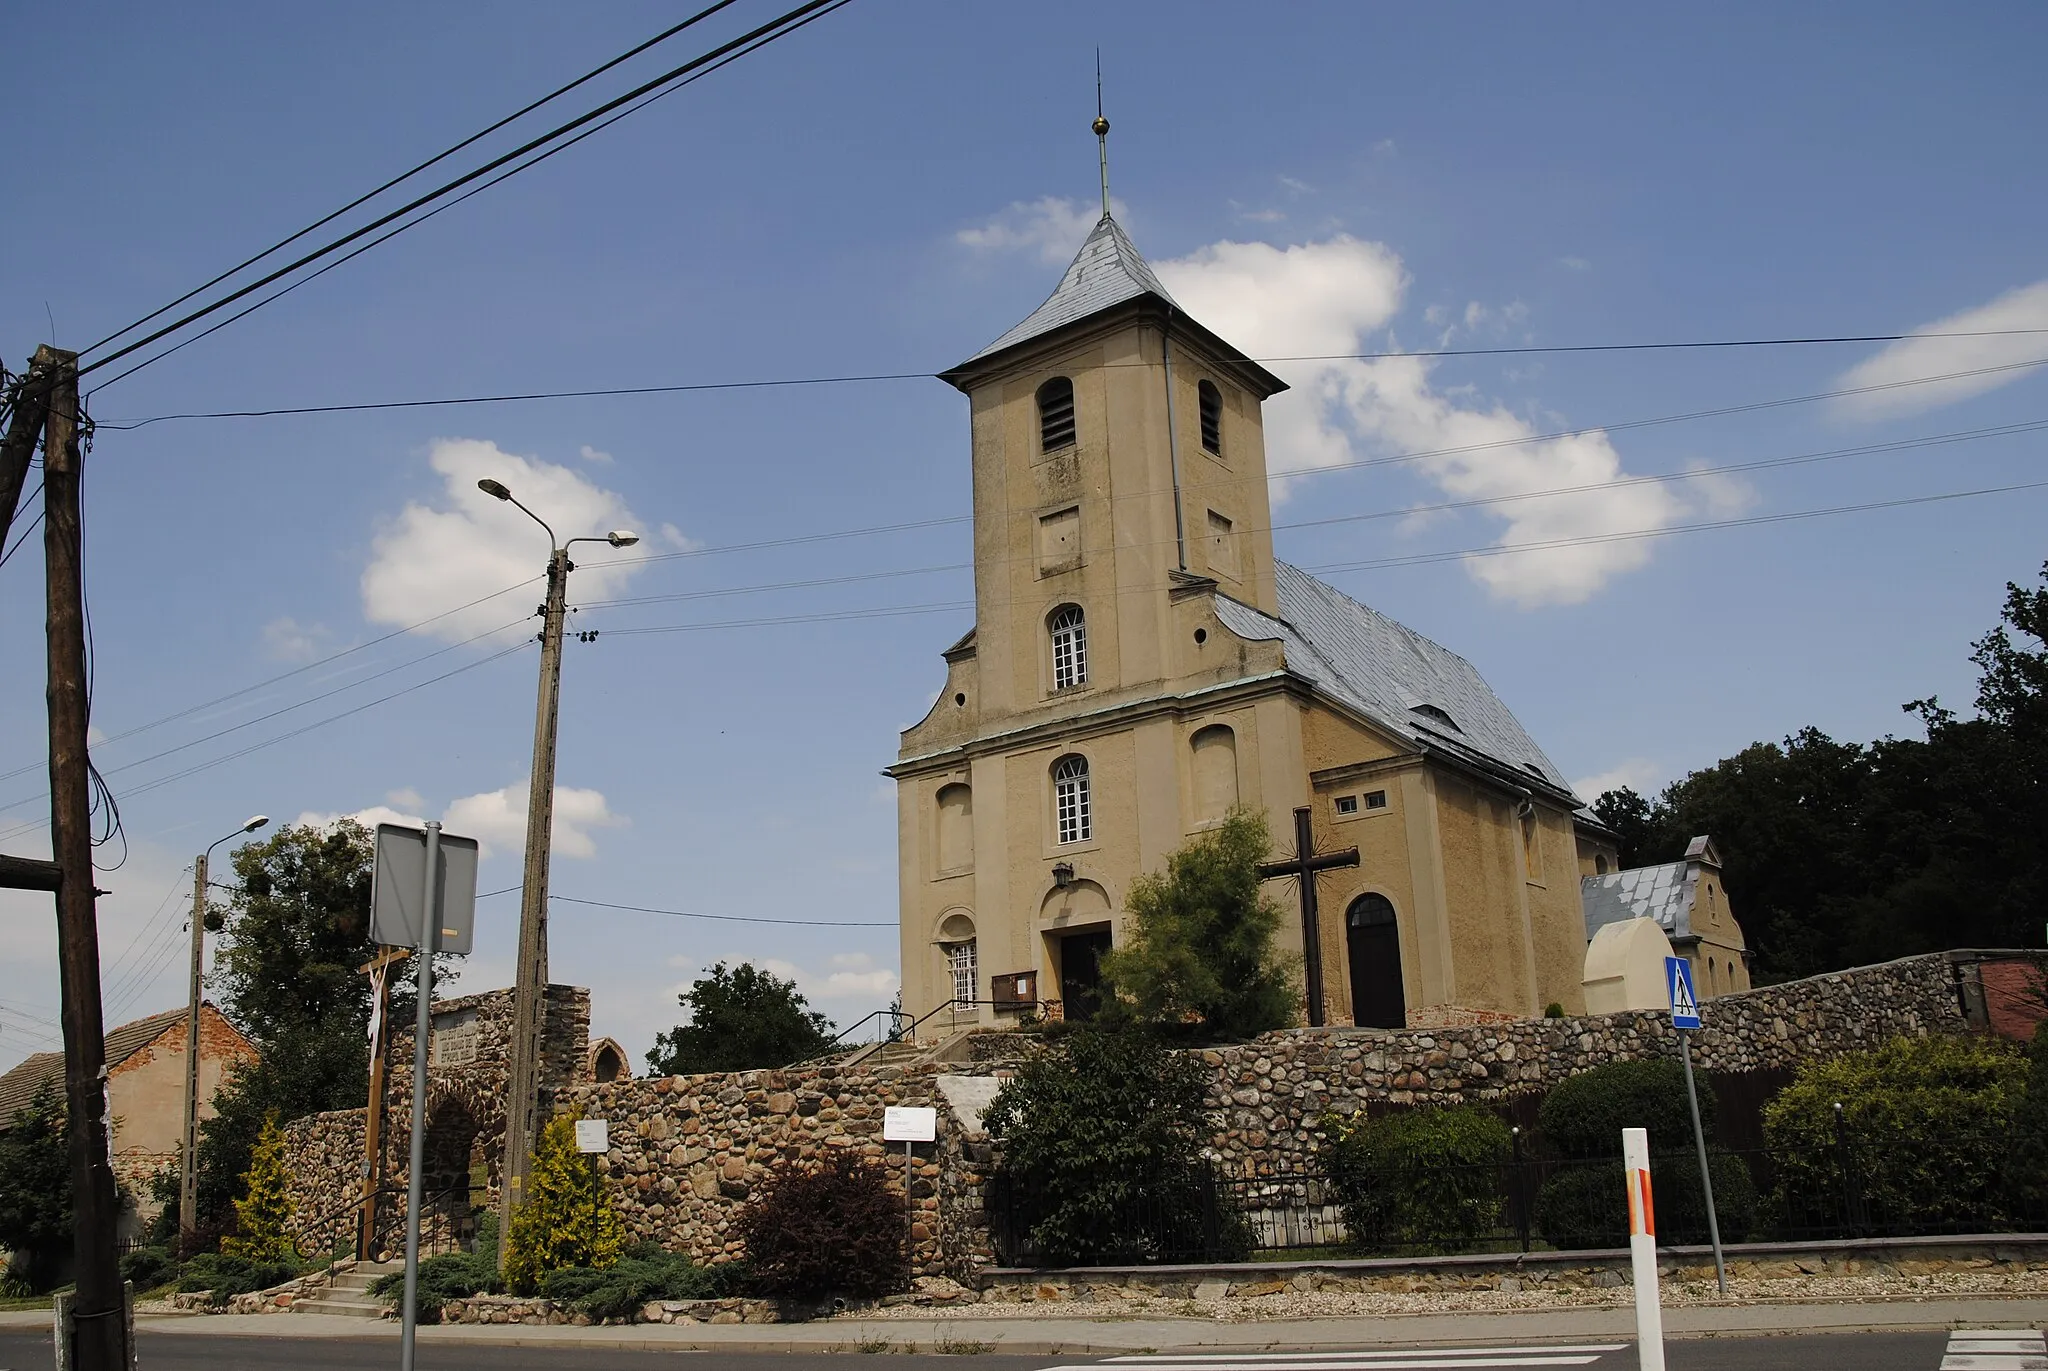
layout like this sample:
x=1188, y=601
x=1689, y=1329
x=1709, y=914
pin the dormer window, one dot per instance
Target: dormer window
x=1056, y=414
x=1437, y=716
x=1212, y=417
x=1069, y=629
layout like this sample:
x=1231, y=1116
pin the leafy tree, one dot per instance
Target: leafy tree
x=1102, y=1160
x=1201, y=951
x=292, y=935
x=264, y=1213
x=567, y=1218
x=35, y=1190
x=1631, y=817
x=740, y=1018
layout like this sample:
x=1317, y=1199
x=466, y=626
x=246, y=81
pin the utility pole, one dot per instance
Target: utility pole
x=530, y=984
x=188, y=1160
x=19, y=445
x=98, y=1330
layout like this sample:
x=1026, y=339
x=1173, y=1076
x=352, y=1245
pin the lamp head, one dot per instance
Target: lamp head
x=495, y=489
x=620, y=537
x=256, y=821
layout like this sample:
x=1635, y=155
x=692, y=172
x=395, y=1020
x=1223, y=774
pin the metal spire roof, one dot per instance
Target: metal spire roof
x=1107, y=271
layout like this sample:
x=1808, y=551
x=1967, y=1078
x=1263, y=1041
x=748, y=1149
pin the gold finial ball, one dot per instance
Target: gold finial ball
x=1101, y=127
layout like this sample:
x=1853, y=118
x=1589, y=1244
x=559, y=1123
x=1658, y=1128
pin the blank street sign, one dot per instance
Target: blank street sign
x=395, y=889
x=593, y=1136
x=909, y=1123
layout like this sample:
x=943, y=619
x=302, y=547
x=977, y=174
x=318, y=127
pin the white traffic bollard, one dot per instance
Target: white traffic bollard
x=1642, y=1249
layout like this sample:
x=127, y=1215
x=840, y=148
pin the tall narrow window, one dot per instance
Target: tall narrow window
x=1069, y=648
x=1056, y=414
x=1071, y=800
x=956, y=828
x=960, y=962
x=1212, y=417
x=1215, y=750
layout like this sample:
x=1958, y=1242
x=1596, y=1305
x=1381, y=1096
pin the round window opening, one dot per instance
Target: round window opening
x=1201, y=635
x=960, y=699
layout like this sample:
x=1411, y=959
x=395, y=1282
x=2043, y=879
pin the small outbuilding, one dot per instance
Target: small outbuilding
x=1687, y=900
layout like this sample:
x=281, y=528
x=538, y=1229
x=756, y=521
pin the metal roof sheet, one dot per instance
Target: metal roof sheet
x=1664, y=893
x=1389, y=672
x=1107, y=271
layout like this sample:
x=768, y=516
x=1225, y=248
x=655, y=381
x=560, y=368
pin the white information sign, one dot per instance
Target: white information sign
x=593, y=1136
x=909, y=1123
x=1685, y=1006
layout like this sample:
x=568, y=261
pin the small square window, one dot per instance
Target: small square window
x=1347, y=804
x=1376, y=799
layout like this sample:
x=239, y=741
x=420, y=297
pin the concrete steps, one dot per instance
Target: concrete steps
x=349, y=1293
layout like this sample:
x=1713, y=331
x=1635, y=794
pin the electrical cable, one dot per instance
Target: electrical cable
x=725, y=918
x=403, y=176
x=757, y=38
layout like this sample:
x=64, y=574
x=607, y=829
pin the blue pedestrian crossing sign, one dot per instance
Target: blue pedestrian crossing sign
x=1685, y=1006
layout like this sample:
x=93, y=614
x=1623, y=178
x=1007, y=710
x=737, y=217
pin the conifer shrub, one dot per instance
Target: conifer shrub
x=149, y=1267
x=226, y=1275
x=1423, y=1180
x=830, y=1226
x=567, y=1219
x=644, y=1273
x=263, y=1215
x=1921, y=1140
x=449, y=1276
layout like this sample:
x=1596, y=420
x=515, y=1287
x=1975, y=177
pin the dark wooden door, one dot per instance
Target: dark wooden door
x=1374, y=938
x=1081, y=973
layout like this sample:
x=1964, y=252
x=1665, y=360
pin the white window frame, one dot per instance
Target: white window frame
x=1073, y=802
x=962, y=965
x=1069, y=648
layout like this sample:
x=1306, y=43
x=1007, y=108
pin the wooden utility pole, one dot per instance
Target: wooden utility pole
x=98, y=1327
x=378, y=968
x=19, y=446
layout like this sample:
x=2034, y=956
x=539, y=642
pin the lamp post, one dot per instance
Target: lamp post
x=530, y=977
x=188, y=1161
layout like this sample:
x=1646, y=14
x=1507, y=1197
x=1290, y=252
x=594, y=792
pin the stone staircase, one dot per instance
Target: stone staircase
x=349, y=1293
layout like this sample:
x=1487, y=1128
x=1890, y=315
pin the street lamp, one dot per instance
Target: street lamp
x=188, y=1163
x=530, y=980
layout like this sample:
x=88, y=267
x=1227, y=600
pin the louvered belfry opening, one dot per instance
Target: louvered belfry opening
x=1212, y=417
x=1056, y=414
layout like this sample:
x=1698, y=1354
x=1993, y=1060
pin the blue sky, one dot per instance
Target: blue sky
x=886, y=192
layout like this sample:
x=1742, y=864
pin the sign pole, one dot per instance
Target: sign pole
x=1699, y=1138
x=423, y=1023
x=1642, y=1249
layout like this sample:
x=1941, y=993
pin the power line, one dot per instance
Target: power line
x=683, y=388
x=751, y=42
x=729, y=918
x=403, y=176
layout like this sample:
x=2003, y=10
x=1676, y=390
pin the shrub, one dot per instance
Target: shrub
x=562, y=1223
x=1424, y=1179
x=450, y=1276
x=1919, y=1141
x=831, y=1225
x=227, y=1275
x=264, y=1213
x=2028, y=1167
x=149, y=1267
x=1584, y=1115
x=644, y=1273
x=1102, y=1154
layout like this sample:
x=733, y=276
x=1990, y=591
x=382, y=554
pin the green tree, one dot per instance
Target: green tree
x=740, y=1018
x=567, y=1218
x=1425, y=1180
x=1201, y=951
x=1102, y=1139
x=1633, y=820
x=35, y=1190
x=264, y=1213
x=291, y=937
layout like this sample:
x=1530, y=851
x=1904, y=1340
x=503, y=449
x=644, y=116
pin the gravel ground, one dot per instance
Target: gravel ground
x=1294, y=1304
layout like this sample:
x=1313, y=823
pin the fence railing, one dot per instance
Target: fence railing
x=1521, y=1203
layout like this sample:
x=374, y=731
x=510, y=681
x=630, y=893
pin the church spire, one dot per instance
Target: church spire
x=1101, y=127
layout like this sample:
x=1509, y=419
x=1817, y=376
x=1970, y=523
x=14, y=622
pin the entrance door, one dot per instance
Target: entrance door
x=1081, y=973
x=1377, y=1000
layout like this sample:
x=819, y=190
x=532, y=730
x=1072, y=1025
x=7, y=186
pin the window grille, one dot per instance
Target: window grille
x=1071, y=800
x=1069, y=649
x=1056, y=414
x=960, y=962
x=1212, y=417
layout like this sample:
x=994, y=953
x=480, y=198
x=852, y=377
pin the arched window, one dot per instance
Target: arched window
x=1212, y=417
x=1069, y=648
x=1215, y=750
x=960, y=964
x=1072, y=805
x=1599, y=863
x=1373, y=936
x=956, y=828
x=1056, y=414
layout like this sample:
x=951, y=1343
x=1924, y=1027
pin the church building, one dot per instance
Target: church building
x=1141, y=663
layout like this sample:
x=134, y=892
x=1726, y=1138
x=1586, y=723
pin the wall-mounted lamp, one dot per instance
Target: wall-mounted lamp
x=1063, y=874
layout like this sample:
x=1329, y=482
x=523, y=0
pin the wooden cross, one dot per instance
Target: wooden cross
x=1303, y=866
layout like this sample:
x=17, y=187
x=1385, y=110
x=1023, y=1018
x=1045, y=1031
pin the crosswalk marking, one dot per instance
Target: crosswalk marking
x=1222, y=1358
x=1995, y=1349
x=1406, y=1359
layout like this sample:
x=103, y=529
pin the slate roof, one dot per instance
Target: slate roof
x=19, y=1086
x=1407, y=684
x=1664, y=893
x=1107, y=271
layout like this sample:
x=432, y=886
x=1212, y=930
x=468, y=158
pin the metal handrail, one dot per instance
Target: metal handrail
x=895, y=1017
x=355, y=1207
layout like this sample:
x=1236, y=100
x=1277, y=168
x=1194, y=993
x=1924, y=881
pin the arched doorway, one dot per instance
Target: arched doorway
x=1374, y=938
x=455, y=1175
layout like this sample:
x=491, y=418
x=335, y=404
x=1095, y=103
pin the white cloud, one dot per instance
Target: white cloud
x=677, y=539
x=468, y=545
x=591, y=454
x=1639, y=774
x=497, y=819
x=285, y=639
x=369, y=817
x=1051, y=226
x=1575, y=264
x=853, y=975
x=1318, y=299
x=405, y=797
x=1303, y=187
x=1912, y=358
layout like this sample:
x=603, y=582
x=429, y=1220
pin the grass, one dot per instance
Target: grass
x=871, y=1346
x=950, y=1346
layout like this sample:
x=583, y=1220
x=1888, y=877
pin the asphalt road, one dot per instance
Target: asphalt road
x=23, y=1351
